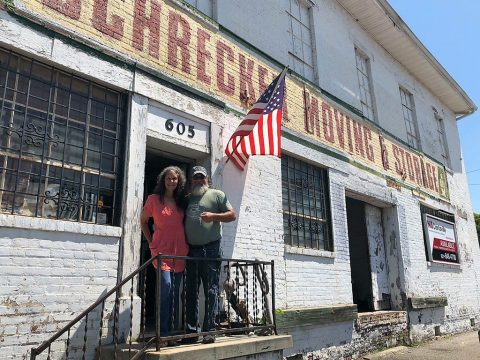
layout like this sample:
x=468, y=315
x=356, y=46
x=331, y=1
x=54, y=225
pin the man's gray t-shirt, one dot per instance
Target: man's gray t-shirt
x=199, y=232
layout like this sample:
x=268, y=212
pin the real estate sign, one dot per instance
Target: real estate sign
x=441, y=240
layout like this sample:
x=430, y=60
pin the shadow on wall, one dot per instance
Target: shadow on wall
x=426, y=323
x=82, y=340
x=234, y=187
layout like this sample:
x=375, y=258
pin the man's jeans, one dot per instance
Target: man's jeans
x=206, y=272
x=169, y=299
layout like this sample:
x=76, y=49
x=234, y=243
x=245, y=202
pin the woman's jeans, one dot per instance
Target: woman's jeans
x=169, y=300
x=206, y=272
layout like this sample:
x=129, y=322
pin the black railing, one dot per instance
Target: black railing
x=244, y=305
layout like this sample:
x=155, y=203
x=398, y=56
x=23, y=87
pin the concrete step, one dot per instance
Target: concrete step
x=225, y=347
x=230, y=347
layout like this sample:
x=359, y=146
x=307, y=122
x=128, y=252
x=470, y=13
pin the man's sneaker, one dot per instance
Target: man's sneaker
x=189, y=340
x=208, y=339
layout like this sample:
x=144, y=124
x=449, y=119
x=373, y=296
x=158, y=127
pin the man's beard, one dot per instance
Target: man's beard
x=199, y=190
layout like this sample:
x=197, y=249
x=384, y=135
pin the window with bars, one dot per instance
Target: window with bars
x=301, y=48
x=305, y=202
x=60, y=143
x=408, y=111
x=205, y=6
x=364, y=84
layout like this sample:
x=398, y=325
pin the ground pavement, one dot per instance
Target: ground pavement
x=458, y=347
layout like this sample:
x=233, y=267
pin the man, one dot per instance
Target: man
x=207, y=209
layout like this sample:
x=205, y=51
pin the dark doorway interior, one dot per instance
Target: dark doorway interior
x=154, y=164
x=359, y=255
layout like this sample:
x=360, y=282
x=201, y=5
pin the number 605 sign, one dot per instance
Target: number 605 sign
x=180, y=128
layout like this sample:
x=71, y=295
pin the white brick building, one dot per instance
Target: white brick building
x=370, y=146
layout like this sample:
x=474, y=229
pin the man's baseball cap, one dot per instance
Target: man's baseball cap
x=199, y=170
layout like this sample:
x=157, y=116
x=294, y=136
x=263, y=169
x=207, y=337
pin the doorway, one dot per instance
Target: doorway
x=368, y=257
x=155, y=162
x=359, y=255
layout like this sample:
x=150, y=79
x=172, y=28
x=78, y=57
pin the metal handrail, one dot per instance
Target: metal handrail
x=233, y=263
x=47, y=343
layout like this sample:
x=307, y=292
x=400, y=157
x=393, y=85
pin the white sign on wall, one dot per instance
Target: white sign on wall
x=441, y=240
x=179, y=129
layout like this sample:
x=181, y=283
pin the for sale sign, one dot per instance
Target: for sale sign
x=441, y=240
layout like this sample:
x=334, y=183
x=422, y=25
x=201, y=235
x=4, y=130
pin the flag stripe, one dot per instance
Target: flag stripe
x=243, y=148
x=275, y=133
x=261, y=140
x=270, y=133
x=238, y=160
x=251, y=140
x=248, y=147
x=257, y=142
x=278, y=128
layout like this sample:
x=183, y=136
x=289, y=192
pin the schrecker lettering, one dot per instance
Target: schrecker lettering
x=168, y=40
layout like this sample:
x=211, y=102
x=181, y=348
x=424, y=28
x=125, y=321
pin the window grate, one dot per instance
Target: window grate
x=306, y=215
x=60, y=143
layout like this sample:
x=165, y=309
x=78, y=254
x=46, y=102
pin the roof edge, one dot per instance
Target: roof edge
x=428, y=55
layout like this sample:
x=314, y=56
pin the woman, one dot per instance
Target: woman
x=166, y=206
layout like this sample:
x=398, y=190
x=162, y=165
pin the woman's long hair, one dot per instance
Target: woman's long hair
x=179, y=194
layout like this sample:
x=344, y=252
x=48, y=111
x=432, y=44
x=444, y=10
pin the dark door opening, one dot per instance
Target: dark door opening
x=154, y=164
x=359, y=255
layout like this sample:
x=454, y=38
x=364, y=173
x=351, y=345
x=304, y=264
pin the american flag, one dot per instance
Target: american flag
x=259, y=132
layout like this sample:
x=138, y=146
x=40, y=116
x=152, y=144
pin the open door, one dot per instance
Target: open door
x=368, y=263
x=155, y=162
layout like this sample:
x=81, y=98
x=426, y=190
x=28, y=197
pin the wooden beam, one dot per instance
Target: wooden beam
x=416, y=303
x=316, y=315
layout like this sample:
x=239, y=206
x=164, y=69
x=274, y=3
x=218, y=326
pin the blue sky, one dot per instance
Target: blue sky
x=450, y=30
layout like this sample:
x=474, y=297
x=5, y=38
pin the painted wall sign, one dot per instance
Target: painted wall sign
x=441, y=240
x=173, y=41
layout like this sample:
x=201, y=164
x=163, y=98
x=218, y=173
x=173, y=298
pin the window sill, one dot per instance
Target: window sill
x=31, y=223
x=309, y=252
x=438, y=264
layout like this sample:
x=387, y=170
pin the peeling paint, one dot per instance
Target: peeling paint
x=10, y=303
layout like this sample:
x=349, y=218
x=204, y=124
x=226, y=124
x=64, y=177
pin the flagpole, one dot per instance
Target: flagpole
x=282, y=74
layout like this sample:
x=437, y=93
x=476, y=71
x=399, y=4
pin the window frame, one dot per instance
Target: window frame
x=299, y=62
x=58, y=185
x=365, y=85
x=442, y=138
x=410, y=118
x=195, y=4
x=314, y=237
